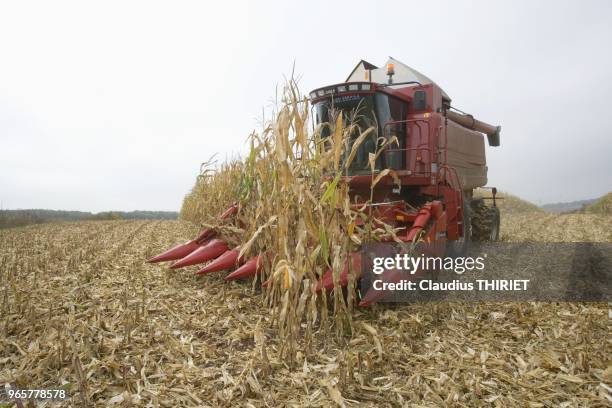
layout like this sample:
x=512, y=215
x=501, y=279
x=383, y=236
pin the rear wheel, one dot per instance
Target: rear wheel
x=485, y=221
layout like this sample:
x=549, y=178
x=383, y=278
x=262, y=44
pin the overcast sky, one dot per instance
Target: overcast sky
x=114, y=105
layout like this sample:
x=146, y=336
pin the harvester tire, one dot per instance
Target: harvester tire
x=460, y=247
x=485, y=221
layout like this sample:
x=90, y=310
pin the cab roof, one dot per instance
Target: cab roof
x=403, y=73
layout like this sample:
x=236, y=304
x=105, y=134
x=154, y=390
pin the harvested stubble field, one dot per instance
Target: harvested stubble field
x=82, y=311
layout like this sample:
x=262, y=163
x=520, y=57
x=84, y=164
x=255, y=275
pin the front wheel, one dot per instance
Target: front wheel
x=459, y=247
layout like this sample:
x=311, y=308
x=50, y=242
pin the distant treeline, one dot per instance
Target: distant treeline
x=18, y=218
x=602, y=205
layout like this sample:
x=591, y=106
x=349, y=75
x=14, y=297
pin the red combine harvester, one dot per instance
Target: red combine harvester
x=438, y=157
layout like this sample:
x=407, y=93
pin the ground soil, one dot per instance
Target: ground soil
x=82, y=311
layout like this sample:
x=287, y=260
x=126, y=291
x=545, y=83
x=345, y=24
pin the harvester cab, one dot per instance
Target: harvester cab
x=366, y=106
x=388, y=106
x=438, y=154
x=433, y=156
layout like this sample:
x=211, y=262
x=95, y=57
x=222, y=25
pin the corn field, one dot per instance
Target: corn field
x=81, y=311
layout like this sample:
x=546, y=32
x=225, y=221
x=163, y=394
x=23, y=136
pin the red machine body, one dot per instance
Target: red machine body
x=437, y=158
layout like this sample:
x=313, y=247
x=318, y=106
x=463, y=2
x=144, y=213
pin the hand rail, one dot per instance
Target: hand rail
x=419, y=122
